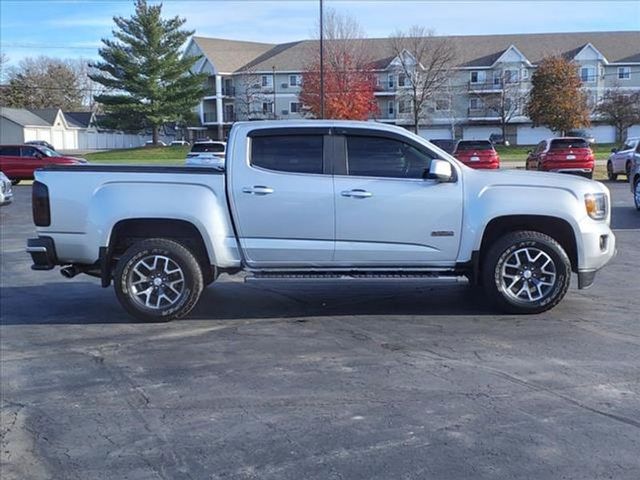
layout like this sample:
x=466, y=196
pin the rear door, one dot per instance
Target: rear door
x=387, y=213
x=282, y=197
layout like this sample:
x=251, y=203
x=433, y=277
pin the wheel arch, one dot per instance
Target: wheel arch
x=557, y=228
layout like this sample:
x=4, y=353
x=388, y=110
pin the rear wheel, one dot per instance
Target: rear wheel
x=15, y=181
x=627, y=169
x=526, y=272
x=610, y=175
x=636, y=193
x=158, y=280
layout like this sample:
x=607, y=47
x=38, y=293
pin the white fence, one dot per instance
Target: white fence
x=85, y=139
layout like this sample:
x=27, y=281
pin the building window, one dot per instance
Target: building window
x=475, y=104
x=525, y=73
x=511, y=76
x=391, y=80
x=478, y=76
x=404, y=106
x=294, y=80
x=624, y=73
x=391, y=107
x=402, y=79
x=295, y=107
x=442, y=104
x=588, y=74
x=267, y=80
x=267, y=107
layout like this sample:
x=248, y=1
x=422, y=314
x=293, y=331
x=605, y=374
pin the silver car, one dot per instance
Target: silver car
x=634, y=180
x=621, y=160
x=6, y=193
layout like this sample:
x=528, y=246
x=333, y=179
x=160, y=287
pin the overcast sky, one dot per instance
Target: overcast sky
x=73, y=28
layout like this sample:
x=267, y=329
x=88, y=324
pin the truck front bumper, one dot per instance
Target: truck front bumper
x=598, y=248
x=43, y=253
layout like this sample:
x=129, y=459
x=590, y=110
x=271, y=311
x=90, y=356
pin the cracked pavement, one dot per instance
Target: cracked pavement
x=408, y=380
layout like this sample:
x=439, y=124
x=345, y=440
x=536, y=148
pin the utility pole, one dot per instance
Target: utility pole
x=273, y=70
x=321, y=63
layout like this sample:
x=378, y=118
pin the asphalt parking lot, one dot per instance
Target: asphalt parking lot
x=319, y=381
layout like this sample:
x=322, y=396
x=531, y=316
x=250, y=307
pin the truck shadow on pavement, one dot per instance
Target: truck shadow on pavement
x=84, y=303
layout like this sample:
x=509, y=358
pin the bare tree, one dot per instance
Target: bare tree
x=249, y=95
x=619, y=109
x=425, y=62
x=88, y=87
x=507, y=101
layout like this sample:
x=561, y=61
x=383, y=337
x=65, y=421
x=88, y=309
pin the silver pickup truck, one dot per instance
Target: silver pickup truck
x=306, y=200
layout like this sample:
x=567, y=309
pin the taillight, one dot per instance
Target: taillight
x=40, y=204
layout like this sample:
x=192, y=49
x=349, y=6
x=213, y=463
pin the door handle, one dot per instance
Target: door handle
x=357, y=193
x=258, y=190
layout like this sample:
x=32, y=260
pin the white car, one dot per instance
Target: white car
x=179, y=143
x=6, y=194
x=621, y=160
x=149, y=143
x=207, y=153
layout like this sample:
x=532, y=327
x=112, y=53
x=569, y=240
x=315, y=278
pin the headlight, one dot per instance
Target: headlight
x=596, y=205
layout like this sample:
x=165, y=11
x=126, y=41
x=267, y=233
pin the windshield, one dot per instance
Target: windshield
x=562, y=143
x=475, y=145
x=208, y=147
x=48, y=152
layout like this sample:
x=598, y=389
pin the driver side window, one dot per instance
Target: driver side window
x=29, y=152
x=369, y=156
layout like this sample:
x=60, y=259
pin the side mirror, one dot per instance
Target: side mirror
x=440, y=170
x=614, y=150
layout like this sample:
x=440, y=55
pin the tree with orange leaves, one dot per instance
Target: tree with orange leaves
x=349, y=82
x=556, y=99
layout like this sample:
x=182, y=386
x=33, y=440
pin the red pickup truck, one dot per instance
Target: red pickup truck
x=477, y=154
x=564, y=155
x=18, y=162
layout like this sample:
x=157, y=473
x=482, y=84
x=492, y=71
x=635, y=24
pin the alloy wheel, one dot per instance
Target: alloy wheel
x=528, y=275
x=156, y=282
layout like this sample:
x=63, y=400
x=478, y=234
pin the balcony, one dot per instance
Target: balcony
x=210, y=117
x=481, y=112
x=494, y=85
x=210, y=87
x=228, y=91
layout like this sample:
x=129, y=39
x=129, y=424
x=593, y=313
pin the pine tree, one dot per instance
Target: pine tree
x=147, y=78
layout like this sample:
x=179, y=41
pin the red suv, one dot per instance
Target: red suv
x=18, y=162
x=477, y=154
x=564, y=154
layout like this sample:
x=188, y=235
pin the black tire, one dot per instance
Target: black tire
x=635, y=197
x=180, y=257
x=627, y=169
x=610, y=175
x=15, y=181
x=503, y=250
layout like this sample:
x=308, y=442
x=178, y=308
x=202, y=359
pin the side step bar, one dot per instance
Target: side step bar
x=350, y=275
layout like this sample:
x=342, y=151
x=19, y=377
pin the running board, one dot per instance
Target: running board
x=350, y=275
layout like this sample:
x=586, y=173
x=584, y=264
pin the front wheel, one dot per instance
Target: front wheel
x=627, y=170
x=15, y=181
x=526, y=272
x=610, y=175
x=158, y=280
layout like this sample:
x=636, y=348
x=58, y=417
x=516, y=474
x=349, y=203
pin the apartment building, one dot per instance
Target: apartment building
x=253, y=81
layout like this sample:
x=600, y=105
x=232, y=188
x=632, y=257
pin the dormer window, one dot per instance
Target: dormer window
x=588, y=74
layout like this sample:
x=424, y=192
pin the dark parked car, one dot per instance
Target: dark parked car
x=477, y=154
x=498, y=139
x=563, y=155
x=18, y=162
x=40, y=143
x=581, y=134
x=445, y=144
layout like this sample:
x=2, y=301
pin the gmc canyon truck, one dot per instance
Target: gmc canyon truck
x=308, y=200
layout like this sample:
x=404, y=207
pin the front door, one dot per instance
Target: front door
x=387, y=213
x=282, y=198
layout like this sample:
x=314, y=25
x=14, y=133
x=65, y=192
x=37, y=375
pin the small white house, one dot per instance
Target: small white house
x=66, y=131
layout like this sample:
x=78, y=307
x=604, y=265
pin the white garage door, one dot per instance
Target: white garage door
x=479, y=133
x=634, y=131
x=531, y=136
x=603, y=133
x=430, y=133
x=57, y=138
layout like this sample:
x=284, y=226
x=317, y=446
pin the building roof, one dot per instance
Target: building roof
x=229, y=55
x=78, y=119
x=47, y=114
x=23, y=117
x=471, y=50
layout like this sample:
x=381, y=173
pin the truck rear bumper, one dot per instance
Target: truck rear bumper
x=43, y=253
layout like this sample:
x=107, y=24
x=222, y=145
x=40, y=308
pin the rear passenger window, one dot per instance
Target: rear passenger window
x=288, y=153
x=10, y=151
x=385, y=157
x=29, y=152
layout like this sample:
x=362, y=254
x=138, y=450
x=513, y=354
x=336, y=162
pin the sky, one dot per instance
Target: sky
x=73, y=28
